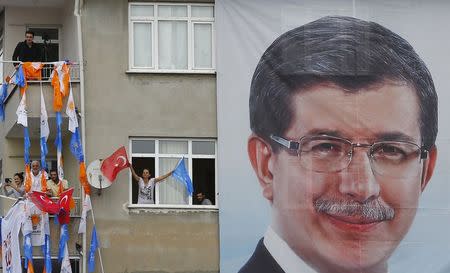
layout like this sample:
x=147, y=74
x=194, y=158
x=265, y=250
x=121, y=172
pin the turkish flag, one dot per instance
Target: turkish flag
x=64, y=204
x=43, y=202
x=112, y=165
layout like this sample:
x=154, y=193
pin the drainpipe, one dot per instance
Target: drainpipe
x=77, y=13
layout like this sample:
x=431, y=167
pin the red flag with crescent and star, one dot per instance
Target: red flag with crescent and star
x=112, y=165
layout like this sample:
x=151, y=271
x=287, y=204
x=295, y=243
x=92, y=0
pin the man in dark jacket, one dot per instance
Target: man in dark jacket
x=343, y=115
x=27, y=51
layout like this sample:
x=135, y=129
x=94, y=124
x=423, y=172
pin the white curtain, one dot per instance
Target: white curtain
x=142, y=33
x=172, y=44
x=202, y=45
x=172, y=191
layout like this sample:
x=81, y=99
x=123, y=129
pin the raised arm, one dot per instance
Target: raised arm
x=162, y=177
x=135, y=176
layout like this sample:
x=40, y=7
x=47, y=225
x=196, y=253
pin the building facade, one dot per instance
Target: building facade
x=146, y=80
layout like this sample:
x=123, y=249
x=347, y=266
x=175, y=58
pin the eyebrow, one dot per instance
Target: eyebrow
x=384, y=136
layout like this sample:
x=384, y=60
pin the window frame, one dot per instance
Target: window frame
x=154, y=21
x=189, y=156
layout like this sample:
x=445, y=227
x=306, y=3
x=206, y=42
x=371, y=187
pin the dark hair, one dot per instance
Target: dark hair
x=20, y=175
x=53, y=170
x=29, y=32
x=345, y=51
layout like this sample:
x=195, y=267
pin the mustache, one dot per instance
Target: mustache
x=373, y=210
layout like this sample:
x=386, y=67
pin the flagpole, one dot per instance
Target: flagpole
x=98, y=248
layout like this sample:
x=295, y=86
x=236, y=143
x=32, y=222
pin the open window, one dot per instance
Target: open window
x=161, y=156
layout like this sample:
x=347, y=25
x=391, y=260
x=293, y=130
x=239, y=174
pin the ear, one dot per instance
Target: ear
x=260, y=154
x=428, y=167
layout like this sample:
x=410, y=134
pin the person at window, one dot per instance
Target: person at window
x=27, y=51
x=147, y=184
x=202, y=200
x=36, y=175
x=15, y=188
x=56, y=186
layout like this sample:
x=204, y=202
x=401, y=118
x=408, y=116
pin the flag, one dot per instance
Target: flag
x=75, y=145
x=21, y=112
x=60, y=82
x=26, y=145
x=46, y=250
x=32, y=70
x=3, y=95
x=58, y=144
x=65, y=204
x=87, y=206
x=63, y=238
x=19, y=79
x=28, y=252
x=180, y=173
x=65, y=265
x=92, y=249
x=71, y=113
x=43, y=202
x=112, y=165
x=83, y=178
x=45, y=131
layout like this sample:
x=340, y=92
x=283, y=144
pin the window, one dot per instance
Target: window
x=160, y=156
x=171, y=37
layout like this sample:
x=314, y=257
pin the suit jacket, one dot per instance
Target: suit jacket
x=261, y=261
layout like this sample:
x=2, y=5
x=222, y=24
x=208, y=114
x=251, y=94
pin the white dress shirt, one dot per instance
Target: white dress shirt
x=284, y=255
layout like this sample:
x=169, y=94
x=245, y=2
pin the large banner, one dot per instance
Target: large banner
x=331, y=154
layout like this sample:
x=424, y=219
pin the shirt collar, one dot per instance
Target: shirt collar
x=284, y=255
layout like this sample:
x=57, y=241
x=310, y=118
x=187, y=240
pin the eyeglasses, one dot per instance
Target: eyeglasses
x=328, y=154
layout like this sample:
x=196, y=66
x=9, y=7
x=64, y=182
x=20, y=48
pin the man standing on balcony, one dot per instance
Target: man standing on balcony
x=56, y=186
x=27, y=51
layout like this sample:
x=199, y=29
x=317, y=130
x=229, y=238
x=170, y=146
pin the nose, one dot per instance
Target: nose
x=358, y=181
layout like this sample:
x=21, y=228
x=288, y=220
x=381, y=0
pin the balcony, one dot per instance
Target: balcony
x=14, y=130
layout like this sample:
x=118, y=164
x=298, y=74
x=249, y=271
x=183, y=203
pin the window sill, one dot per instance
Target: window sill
x=164, y=209
x=147, y=71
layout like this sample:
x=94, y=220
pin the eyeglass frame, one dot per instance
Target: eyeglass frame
x=294, y=146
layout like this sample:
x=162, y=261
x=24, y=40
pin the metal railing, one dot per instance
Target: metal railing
x=74, y=70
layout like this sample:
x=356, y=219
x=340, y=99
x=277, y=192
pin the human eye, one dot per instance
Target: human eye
x=394, y=152
x=325, y=148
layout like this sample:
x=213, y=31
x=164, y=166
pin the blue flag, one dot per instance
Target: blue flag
x=92, y=249
x=76, y=147
x=44, y=152
x=3, y=95
x=58, y=140
x=47, y=255
x=62, y=241
x=26, y=145
x=20, y=77
x=180, y=173
x=27, y=249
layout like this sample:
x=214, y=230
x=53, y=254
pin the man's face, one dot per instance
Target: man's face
x=54, y=176
x=29, y=38
x=35, y=167
x=351, y=243
x=200, y=196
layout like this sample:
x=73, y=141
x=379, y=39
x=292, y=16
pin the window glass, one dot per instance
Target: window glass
x=142, y=33
x=141, y=10
x=172, y=44
x=172, y=11
x=143, y=146
x=202, y=11
x=202, y=45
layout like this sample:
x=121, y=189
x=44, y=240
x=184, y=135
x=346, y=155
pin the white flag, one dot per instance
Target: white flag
x=45, y=131
x=22, y=111
x=71, y=113
x=87, y=206
x=65, y=265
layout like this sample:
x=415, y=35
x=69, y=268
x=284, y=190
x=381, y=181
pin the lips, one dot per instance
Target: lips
x=353, y=223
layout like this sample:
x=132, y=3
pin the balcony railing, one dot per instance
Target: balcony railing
x=46, y=71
